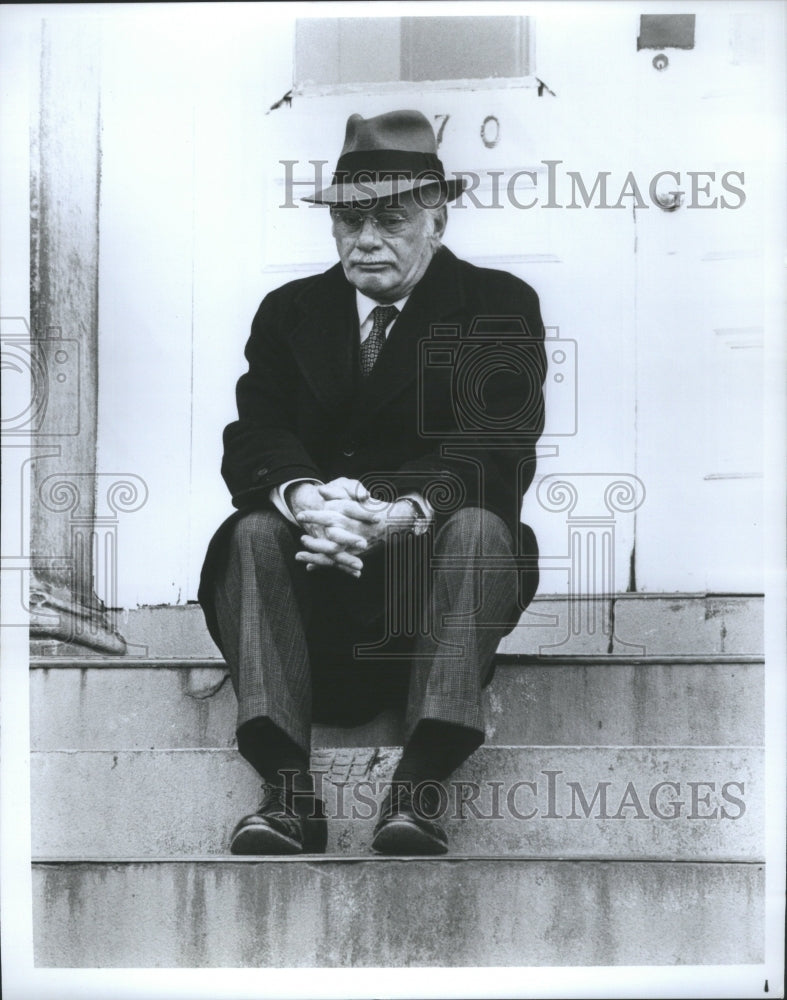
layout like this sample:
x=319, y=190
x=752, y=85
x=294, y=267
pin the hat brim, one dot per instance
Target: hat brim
x=371, y=191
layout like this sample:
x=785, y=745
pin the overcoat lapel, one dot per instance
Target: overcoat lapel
x=326, y=338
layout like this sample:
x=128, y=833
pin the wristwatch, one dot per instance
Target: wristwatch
x=421, y=522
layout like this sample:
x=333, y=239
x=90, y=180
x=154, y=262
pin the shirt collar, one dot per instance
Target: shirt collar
x=365, y=305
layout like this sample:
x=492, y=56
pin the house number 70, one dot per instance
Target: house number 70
x=490, y=130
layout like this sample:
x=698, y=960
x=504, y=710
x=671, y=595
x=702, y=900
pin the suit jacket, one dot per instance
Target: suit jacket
x=452, y=409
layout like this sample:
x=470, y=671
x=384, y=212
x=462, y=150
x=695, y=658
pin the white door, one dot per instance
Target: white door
x=701, y=308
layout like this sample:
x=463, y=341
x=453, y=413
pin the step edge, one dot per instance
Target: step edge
x=555, y=595
x=213, y=859
x=502, y=660
x=484, y=748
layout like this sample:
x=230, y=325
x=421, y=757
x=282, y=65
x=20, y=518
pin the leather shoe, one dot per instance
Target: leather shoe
x=407, y=823
x=283, y=824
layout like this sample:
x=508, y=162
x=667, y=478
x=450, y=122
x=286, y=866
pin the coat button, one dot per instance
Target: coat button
x=261, y=473
x=349, y=449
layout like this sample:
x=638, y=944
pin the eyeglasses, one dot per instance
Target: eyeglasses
x=388, y=223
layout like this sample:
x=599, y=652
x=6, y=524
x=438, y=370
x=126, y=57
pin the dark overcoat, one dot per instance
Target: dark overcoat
x=452, y=409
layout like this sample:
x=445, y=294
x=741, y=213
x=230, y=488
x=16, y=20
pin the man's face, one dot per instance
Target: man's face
x=385, y=248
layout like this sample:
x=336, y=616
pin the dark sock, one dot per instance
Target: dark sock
x=435, y=750
x=276, y=757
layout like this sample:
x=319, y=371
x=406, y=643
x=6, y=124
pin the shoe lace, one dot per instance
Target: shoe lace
x=275, y=799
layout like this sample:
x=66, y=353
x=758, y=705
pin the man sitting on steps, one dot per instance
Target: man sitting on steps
x=372, y=477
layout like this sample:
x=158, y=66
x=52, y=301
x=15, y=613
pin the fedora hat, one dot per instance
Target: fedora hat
x=386, y=155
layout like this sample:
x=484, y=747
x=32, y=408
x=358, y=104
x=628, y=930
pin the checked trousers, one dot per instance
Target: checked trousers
x=418, y=630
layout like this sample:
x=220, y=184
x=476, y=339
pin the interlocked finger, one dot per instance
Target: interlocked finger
x=348, y=540
x=318, y=522
x=335, y=551
x=343, y=487
x=315, y=560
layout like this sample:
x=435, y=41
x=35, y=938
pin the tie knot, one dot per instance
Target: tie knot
x=382, y=316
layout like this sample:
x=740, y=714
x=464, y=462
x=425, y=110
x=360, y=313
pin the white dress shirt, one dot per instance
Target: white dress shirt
x=365, y=307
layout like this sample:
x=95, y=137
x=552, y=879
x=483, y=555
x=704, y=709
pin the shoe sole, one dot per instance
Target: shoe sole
x=264, y=840
x=400, y=836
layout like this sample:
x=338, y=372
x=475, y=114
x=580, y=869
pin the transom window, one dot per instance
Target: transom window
x=336, y=51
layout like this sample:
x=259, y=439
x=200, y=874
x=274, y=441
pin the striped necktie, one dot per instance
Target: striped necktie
x=371, y=347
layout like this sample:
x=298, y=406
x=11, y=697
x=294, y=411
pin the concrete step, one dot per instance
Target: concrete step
x=687, y=700
x=692, y=803
x=375, y=912
x=628, y=624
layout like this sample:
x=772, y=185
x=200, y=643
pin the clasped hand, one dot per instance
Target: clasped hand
x=341, y=522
